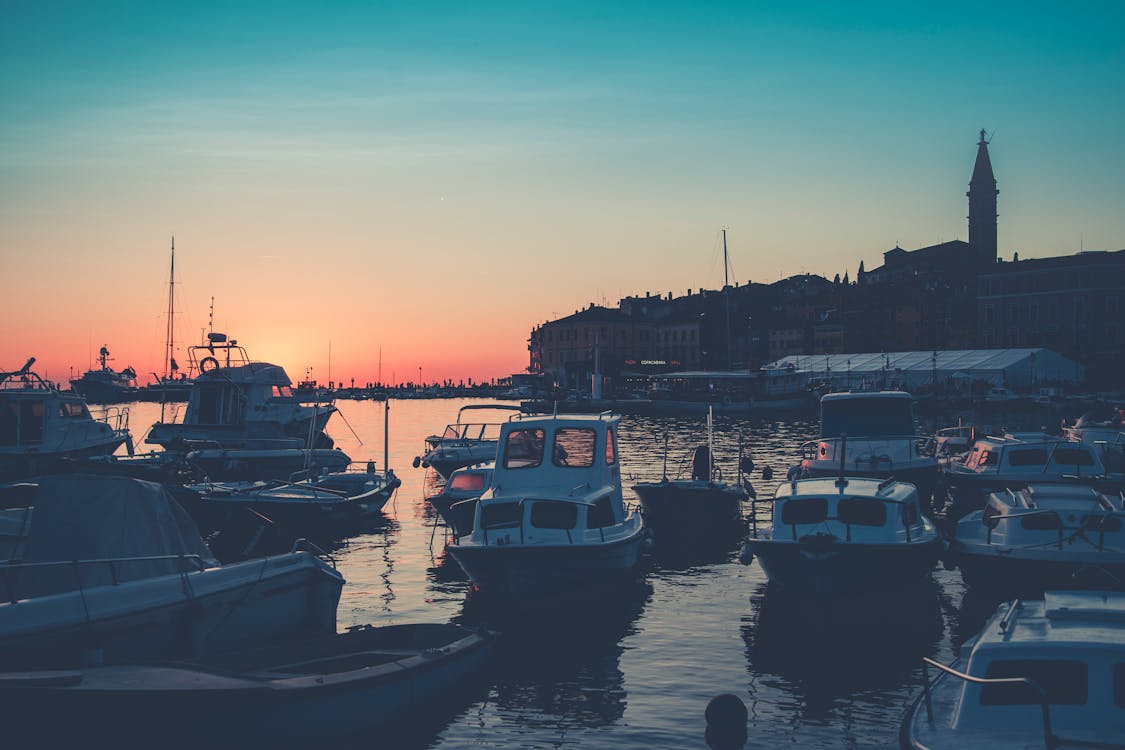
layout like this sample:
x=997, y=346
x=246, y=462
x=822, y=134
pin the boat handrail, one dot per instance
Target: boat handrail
x=7, y=568
x=920, y=446
x=991, y=522
x=1050, y=740
x=848, y=524
x=520, y=504
x=305, y=545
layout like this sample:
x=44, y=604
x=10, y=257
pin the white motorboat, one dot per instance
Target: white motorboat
x=243, y=420
x=234, y=399
x=554, y=519
x=457, y=500
x=830, y=536
x=110, y=568
x=881, y=440
x=464, y=443
x=41, y=428
x=1104, y=427
x=1043, y=536
x=1044, y=673
x=1014, y=460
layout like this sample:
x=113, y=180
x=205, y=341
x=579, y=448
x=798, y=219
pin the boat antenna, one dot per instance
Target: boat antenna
x=842, y=482
x=386, y=436
x=710, y=447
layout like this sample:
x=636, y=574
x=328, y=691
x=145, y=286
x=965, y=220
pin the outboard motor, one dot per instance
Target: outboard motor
x=701, y=464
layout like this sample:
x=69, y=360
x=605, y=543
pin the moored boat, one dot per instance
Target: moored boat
x=1041, y=674
x=42, y=428
x=554, y=519
x=463, y=443
x=109, y=568
x=290, y=694
x=1043, y=536
x=881, y=440
x=457, y=500
x=829, y=536
x=106, y=385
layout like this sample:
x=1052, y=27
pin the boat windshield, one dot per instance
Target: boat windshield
x=523, y=449
x=866, y=418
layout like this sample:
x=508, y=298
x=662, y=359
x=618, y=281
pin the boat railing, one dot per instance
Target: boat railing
x=991, y=522
x=1050, y=740
x=117, y=417
x=770, y=502
x=8, y=570
x=304, y=545
x=521, y=503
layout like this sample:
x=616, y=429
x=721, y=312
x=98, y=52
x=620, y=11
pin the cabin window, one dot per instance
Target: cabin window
x=1030, y=457
x=861, y=511
x=523, y=449
x=600, y=514
x=501, y=515
x=470, y=482
x=1064, y=681
x=69, y=409
x=554, y=515
x=1119, y=685
x=1107, y=524
x=811, y=510
x=910, y=514
x=988, y=458
x=1041, y=522
x=574, y=447
x=610, y=447
x=1072, y=457
x=9, y=423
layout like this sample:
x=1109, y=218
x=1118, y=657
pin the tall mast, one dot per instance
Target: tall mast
x=726, y=264
x=169, y=360
x=726, y=295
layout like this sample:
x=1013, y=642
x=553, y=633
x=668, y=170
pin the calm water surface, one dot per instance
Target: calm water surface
x=636, y=670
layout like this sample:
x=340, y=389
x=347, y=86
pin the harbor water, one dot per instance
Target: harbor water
x=635, y=668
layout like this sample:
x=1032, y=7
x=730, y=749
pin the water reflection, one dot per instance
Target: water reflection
x=557, y=664
x=825, y=649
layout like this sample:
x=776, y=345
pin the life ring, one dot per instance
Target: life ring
x=204, y=367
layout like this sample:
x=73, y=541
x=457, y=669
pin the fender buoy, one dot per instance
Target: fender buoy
x=205, y=367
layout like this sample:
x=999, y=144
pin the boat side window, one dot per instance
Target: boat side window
x=574, y=447
x=469, y=481
x=1072, y=457
x=910, y=514
x=68, y=409
x=1107, y=523
x=600, y=515
x=546, y=514
x=988, y=458
x=610, y=447
x=1041, y=521
x=501, y=515
x=861, y=511
x=31, y=421
x=990, y=515
x=1119, y=685
x=810, y=510
x=1028, y=457
x=9, y=423
x=1065, y=682
x=523, y=449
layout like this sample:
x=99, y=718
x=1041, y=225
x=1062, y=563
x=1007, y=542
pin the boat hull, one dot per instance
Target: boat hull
x=18, y=464
x=534, y=571
x=1029, y=572
x=690, y=511
x=837, y=566
x=171, y=616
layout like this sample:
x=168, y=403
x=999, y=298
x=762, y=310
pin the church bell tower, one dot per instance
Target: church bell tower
x=982, y=206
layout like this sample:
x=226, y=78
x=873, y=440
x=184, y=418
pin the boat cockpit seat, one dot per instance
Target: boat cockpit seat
x=701, y=464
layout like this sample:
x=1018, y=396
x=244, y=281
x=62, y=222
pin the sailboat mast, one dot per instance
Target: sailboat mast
x=726, y=263
x=726, y=295
x=169, y=333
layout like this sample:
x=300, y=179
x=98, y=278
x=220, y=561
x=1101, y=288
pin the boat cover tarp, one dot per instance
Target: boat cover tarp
x=94, y=518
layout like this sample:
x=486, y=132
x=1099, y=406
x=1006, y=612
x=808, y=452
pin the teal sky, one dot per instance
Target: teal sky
x=378, y=164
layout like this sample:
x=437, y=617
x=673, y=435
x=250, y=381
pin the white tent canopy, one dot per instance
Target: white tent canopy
x=1016, y=368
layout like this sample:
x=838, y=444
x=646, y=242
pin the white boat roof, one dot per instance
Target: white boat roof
x=855, y=487
x=1057, y=497
x=254, y=372
x=523, y=421
x=1078, y=618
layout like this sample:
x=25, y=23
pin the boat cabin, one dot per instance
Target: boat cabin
x=1070, y=644
x=1031, y=456
x=1045, y=513
x=867, y=414
x=556, y=480
x=851, y=509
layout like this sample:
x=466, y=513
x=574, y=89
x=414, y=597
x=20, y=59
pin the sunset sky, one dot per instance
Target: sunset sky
x=432, y=179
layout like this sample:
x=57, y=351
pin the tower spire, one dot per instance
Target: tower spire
x=982, y=205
